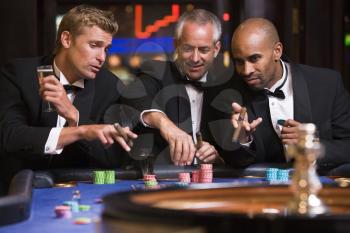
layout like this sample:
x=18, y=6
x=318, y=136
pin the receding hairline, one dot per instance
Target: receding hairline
x=258, y=25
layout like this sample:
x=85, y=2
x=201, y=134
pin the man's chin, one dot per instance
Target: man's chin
x=255, y=87
x=194, y=75
x=90, y=75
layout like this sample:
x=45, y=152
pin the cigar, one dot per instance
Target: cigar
x=199, y=140
x=120, y=130
x=240, y=122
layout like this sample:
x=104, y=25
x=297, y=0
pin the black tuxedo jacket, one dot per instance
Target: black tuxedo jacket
x=25, y=127
x=160, y=86
x=319, y=98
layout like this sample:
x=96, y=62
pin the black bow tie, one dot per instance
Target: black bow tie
x=196, y=84
x=278, y=93
x=71, y=88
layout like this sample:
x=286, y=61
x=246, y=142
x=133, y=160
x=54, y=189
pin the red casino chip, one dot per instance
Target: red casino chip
x=149, y=177
x=185, y=177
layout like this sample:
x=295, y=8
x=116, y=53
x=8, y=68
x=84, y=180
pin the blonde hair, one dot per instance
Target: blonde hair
x=82, y=16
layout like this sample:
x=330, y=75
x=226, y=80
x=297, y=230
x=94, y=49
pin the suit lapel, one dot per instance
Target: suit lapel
x=83, y=101
x=259, y=105
x=302, y=107
x=207, y=98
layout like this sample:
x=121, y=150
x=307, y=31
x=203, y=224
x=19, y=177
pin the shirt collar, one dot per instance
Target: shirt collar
x=280, y=81
x=63, y=79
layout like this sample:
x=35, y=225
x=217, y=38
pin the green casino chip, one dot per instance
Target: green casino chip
x=98, y=177
x=109, y=177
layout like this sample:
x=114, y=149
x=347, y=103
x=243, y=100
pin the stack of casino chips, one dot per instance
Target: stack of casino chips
x=98, y=177
x=103, y=177
x=63, y=211
x=195, y=175
x=283, y=175
x=271, y=174
x=150, y=180
x=73, y=205
x=109, y=177
x=275, y=175
x=206, y=173
x=184, y=177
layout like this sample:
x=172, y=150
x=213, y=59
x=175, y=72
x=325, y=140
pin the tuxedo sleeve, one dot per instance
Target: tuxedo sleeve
x=141, y=93
x=221, y=129
x=18, y=133
x=336, y=136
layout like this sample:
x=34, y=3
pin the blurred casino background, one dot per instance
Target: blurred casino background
x=314, y=32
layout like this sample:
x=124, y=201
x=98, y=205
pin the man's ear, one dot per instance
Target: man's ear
x=277, y=51
x=217, y=48
x=66, y=39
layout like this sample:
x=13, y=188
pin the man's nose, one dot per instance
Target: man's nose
x=195, y=55
x=101, y=56
x=247, y=69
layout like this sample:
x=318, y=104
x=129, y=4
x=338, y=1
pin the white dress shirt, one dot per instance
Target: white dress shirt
x=196, y=103
x=52, y=140
x=282, y=109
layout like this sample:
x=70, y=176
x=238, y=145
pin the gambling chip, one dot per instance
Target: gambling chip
x=195, y=176
x=63, y=211
x=84, y=207
x=275, y=175
x=98, y=177
x=271, y=174
x=184, y=177
x=82, y=221
x=282, y=175
x=109, y=177
x=150, y=181
x=74, y=206
x=206, y=173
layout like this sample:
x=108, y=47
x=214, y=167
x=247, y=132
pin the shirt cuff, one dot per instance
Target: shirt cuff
x=147, y=111
x=247, y=144
x=52, y=140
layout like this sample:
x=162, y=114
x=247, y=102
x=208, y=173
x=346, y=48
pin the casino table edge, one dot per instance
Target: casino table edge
x=16, y=206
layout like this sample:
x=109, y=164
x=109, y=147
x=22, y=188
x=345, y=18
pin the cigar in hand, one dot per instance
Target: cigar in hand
x=121, y=132
x=199, y=140
x=239, y=122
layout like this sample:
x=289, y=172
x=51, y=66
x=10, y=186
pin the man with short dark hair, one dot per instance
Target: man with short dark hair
x=80, y=91
x=280, y=95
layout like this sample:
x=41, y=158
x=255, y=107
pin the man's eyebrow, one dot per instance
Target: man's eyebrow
x=100, y=42
x=255, y=55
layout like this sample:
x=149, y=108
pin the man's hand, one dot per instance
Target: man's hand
x=52, y=90
x=289, y=132
x=106, y=134
x=181, y=145
x=207, y=153
x=247, y=128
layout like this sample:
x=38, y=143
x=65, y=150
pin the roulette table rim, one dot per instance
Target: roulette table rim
x=121, y=206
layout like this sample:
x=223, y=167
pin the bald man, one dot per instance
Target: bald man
x=279, y=96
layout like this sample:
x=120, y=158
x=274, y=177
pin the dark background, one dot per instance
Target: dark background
x=312, y=31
